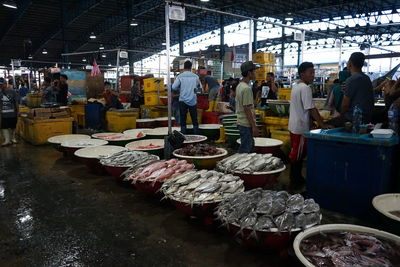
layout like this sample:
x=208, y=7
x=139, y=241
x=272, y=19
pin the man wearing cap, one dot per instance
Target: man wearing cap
x=245, y=108
x=8, y=113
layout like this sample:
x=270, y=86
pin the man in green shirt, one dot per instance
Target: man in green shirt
x=245, y=108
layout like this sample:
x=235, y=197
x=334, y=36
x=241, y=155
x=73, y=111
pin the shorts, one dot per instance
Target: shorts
x=213, y=94
x=8, y=123
x=299, y=147
x=246, y=139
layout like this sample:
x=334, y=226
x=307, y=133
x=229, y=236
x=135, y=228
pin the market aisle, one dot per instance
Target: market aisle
x=55, y=213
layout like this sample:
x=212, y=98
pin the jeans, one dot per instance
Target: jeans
x=246, y=139
x=193, y=114
x=176, y=112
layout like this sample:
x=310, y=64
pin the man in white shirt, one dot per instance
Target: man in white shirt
x=301, y=110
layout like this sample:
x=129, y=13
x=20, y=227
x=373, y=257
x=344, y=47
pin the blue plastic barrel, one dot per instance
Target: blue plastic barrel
x=94, y=116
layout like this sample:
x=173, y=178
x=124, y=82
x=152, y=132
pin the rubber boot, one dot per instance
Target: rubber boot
x=13, y=136
x=211, y=105
x=7, y=137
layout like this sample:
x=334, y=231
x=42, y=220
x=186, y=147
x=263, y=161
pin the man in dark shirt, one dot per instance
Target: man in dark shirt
x=268, y=89
x=63, y=92
x=358, y=90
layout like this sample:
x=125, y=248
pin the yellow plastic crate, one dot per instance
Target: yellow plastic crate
x=23, y=109
x=284, y=93
x=20, y=129
x=120, y=121
x=151, y=99
x=33, y=100
x=38, y=131
x=153, y=85
x=264, y=58
x=284, y=136
x=269, y=120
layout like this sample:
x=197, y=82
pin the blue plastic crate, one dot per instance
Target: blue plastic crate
x=344, y=173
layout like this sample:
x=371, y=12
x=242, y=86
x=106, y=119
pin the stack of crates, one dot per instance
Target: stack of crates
x=153, y=89
x=266, y=62
x=284, y=93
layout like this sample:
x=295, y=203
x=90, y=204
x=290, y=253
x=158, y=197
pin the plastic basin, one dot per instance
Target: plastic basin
x=232, y=137
x=73, y=145
x=384, y=204
x=204, y=212
x=336, y=228
x=159, y=133
x=210, y=130
x=145, y=123
x=116, y=139
x=158, y=151
x=164, y=100
x=203, y=162
x=163, y=122
x=200, y=139
x=116, y=172
x=260, y=179
x=265, y=145
x=56, y=141
x=90, y=156
x=138, y=133
x=149, y=188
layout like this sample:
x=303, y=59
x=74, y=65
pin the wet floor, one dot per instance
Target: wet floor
x=54, y=212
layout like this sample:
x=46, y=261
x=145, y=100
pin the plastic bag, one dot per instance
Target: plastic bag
x=310, y=206
x=295, y=203
x=285, y=221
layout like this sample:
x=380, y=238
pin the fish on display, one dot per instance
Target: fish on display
x=127, y=158
x=350, y=249
x=158, y=171
x=199, y=187
x=265, y=210
x=250, y=163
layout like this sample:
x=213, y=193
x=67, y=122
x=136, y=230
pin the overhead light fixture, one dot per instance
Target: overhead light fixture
x=101, y=47
x=30, y=56
x=288, y=19
x=134, y=23
x=164, y=44
x=44, y=51
x=84, y=59
x=204, y=0
x=341, y=32
x=92, y=36
x=10, y=4
x=109, y=64
x=103, y=55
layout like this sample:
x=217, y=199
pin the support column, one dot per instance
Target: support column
x=299, y=54
x=130, y=34
x=255, y=37
x=283, y=49
x=222, y=44
x=181, y=47
x=250, y=40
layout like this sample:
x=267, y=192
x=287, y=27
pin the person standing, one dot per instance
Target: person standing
x=111, y=98
x=62, y=97
x=186, y=83
x=302, y=109
x=49, y=92
x=137, y=98
x=8, y=113
x=268, y=89
x=245, y=108
x=213, y=90
x=358, y=91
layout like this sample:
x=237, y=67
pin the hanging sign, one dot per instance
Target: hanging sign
x=177, y=13
x=123, y=54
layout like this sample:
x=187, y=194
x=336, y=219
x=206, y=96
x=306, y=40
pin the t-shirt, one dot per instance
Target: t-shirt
x=359, y=90
x=244, y=97
x=212, y=82
x=266, y=91
x=63, y=94
x=301, y=102
x=50, y=95
x=7, y=103
x=186, y=83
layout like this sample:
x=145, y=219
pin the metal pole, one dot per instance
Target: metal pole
x=167, y=42
x=283, y=49
x=29, y=79
x=117, y=77
x=250, y=40
x=159, y=66
x=303, y=38
x=13, y=72
x=340, y=54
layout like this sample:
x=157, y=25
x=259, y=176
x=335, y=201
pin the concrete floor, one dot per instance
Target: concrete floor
x=54, y=212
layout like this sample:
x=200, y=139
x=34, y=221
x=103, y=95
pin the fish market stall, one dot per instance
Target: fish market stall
x=152, y=146
x=256, y=170
x=345, y=171
x=347, y=245
x=267, y=218
x=197, y=193
x=149, y=178
x=119, y=162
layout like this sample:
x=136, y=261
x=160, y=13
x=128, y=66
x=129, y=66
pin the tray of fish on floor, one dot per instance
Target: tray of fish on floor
x=149, y=178
x=197, y=193
x=256, y=170
x=116, y=164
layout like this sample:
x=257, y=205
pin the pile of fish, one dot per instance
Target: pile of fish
x=350, y=249
x=200, y=187
x=128, y=158
x=264, y=210
x=199, y=150
x=158, y=171
x=250, y=163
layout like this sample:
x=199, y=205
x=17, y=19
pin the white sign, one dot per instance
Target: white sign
x=123, y=54
x=299, y=36
x=177, y=13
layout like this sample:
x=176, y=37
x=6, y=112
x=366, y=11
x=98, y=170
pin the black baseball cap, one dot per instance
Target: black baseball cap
x=248, y=66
